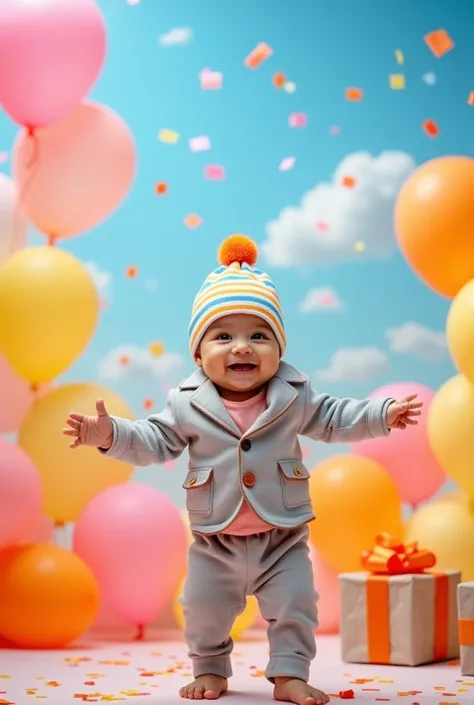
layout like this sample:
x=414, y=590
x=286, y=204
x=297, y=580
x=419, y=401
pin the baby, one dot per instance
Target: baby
x=247, y=491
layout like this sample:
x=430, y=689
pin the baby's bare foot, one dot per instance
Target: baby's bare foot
x=292, y=690
x=207, y=687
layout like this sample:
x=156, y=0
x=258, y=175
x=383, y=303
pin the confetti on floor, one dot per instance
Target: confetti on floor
x=155, y=670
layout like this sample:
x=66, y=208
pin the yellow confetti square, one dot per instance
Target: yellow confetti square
x=400, y=59
x=397, y=81
x=360, y=247
x=168, y=136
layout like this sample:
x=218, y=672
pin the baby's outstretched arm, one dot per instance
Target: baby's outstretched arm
x=156, y=439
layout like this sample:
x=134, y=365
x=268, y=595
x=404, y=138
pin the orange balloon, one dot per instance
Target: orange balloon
x=354, y=499
x=48, y=596
x=434, y=223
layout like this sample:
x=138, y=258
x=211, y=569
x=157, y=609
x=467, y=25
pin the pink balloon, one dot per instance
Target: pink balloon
x=134, y=540
x=41, y=531
x=406, y=455
x=326, y=582
x=21, y=494
x=81, y=170
x=51, y=52
x=16, y=397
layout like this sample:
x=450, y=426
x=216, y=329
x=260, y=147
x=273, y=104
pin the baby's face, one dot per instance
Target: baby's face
x=239, y=353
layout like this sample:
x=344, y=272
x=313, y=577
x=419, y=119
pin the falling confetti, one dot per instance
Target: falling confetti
x=214, y=172
x=124, y=360
x=354, y=94
x=161, y=188
x=298, y=120
x=168, y=136
x=470, y=100
x=278, y=80
x=131, y=272
x=439, y=42
x=348, y=181
x=287, y=164
x=322, y=226
x=359, y=246
x=200, y=144
x=210, y=80
x=148, y=404
x=156, y=348
x=431, y=128
x=399, y=58
x=334, y=130
x=429, y=78
x=397, y=81
x=289, y=87
x=192, y=221
x=261, y=53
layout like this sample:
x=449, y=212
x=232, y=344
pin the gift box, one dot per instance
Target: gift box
x=466, y=627
x=399, y=610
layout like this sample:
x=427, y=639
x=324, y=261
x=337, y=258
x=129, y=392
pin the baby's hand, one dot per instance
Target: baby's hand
x=400, y=413
x=96, y=431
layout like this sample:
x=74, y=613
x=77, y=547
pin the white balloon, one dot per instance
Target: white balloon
x=13, y=223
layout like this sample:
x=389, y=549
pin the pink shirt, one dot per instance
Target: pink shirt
x=244, y=414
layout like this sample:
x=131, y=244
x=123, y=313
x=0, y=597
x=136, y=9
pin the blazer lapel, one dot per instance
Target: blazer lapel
x=208, y=401
x=280, y=397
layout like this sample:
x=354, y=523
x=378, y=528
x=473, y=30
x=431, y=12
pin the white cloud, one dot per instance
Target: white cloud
x=132, y=362
x=176, y=37
x=414, y=339
x=332, y=220
x=101, y=278
x=320, y=299
x=354, y=365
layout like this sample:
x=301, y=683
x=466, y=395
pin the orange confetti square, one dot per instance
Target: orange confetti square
x=354, y=94
x=256, y=57
x=131, y=272
x=439, y=42
x=431, y=128
x=470, y=100
x=148, y=404
x=193, y=221
x=279, y=80
x=161, y=188
x=124, y=360
x=348, y=181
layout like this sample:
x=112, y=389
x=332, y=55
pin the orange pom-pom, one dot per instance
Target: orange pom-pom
x=238, y=248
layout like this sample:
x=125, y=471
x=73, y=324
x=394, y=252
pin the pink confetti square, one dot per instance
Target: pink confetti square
x=3, y=157
x=334, y=130
x=214, y=172
x=298, y=120
x=210, y=80
x=200, y=144
x=322, y=226
x=287, y=164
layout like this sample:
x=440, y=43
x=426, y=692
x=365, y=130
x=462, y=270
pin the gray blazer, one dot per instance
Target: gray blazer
x=264, y=465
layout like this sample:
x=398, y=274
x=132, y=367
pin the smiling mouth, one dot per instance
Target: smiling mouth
x=242, y=367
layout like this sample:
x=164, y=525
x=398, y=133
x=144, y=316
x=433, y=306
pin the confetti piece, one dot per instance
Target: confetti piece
x=298, y=120
x=53, y=684
x=429, y=78
x=3, y=157
x=131, y=272
x=168, y=136
x=397, y=81
x=431, y=128
x=384, y=680
x=278, y=80
x=6, y=702
x=289, y=87
x=399, y=58
x=161, y=188
x=200, y=144
x=334, y=130
x=348, y=181
x=156, y=348
x=470, y=100
x=192, y=221
x=439, y=42
x=124, y=360
x=354, y=94
x=148, y=404
x=346, y=694
x=287, y=164
x=257, y=56
x=214, y=172
x=210, y=80
x=89, y=682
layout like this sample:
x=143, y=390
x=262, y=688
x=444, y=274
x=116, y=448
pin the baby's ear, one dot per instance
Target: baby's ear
x=197, y=358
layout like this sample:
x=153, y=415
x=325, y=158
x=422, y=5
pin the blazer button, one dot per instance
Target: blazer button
x=246, y=444
x=249, y=479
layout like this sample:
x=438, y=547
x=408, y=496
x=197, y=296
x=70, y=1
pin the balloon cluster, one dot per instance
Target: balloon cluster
x=360, y=495
x=73, y=165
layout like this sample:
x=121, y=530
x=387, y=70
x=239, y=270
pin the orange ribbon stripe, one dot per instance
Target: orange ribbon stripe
x=466, y=632
x=441, y=617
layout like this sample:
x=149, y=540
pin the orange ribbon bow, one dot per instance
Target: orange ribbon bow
x=390, y=556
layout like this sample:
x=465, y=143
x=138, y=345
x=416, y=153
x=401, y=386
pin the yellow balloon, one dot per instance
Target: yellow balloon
x=243, y=622
x=451, y=431
x=460, y=331
x=458, y=496
x=354, y=499
x=71, y=478
x=49, y=309
x=447, y=529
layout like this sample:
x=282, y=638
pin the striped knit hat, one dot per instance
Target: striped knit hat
x=237, y=286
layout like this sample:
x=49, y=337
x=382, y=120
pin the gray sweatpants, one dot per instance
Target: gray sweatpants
x=275, y=567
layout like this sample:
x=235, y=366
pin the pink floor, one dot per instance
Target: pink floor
x=154, y=670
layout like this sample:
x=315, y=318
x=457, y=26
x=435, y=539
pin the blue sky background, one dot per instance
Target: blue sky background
x=323, y=47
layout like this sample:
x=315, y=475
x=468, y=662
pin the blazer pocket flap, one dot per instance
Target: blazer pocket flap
x=197, y=478
x=293, y=470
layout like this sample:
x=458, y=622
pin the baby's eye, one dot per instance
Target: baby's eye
x=259, y=336
x=223, y=336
